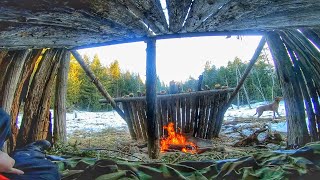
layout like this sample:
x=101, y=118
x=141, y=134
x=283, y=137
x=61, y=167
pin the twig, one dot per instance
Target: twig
x=176, y=159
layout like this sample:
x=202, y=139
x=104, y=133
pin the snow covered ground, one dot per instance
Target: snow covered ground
x=246, y=112
x=96, y=121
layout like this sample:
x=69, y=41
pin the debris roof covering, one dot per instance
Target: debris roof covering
x=79, y=23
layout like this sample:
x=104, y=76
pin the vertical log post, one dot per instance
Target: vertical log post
x=11, y=79
x=97, y=83
x=13, y=63
x=28, y=68
x=129, y=120
x=151, y=98
x=196, y=109
x=59, y=127
x=297, y=128
x=35, y=122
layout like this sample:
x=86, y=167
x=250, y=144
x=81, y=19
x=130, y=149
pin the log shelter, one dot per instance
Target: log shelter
x=37, y=35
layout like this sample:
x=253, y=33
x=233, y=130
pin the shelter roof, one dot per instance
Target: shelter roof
x=85, y=23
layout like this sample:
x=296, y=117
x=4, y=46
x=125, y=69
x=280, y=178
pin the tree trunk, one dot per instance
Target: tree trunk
x=12, y=76
x=59, y=129
x=309, y=58
x=151, y=98
x=35, y=122
x=97, y=83
x=13, y=64
x=260, y=87
x=3, y=54
x=297, y=129
x=5, y=59
x=28, y=68
x=238, y=94
x=245, y=90
x=246, y=72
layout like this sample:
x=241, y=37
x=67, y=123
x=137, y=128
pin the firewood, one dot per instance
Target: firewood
x=180, y=147
x=250, y=140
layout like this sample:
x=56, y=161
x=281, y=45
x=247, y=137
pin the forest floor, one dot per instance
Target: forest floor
x=115, y=142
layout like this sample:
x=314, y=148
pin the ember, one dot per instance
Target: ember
x=176, y=140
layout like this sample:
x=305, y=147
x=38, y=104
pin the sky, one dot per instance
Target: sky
x=179, y=58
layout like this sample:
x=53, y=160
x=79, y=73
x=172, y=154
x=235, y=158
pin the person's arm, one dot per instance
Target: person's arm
x=6, y=164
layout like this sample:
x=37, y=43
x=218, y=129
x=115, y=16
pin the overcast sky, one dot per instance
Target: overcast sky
x=177, y=59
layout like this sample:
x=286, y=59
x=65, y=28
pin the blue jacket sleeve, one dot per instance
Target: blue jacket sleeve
x=4, y=127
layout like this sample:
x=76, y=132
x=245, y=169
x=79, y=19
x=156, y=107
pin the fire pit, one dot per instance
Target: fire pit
x=176, y=141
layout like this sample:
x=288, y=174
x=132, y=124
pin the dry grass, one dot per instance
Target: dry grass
x=117, y=144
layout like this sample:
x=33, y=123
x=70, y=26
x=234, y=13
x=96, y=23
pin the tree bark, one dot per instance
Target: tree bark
x=129, y=120
x=59, y=126
x=297, y=129
x=28, y=68
x=307, y=100
x=151, y=98
x=11, y=79
x=35, y=122
x=41, y=128
x=3, y=54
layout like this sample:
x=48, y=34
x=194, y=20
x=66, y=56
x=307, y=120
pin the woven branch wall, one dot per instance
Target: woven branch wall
x=200, y=113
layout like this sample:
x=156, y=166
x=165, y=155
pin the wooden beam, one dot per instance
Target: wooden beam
x=59, y=126
x=96, y=82
x=151, y=98
x=247, y=71
x=177, y=10
x=200, y=11
x=176, y=35
x=171, y=96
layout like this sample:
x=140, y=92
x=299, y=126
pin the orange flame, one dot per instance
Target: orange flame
x=175, y=138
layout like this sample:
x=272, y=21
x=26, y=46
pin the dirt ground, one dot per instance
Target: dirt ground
x=117, y=144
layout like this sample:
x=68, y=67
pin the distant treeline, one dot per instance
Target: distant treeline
x=82, y=93
x=261, y=85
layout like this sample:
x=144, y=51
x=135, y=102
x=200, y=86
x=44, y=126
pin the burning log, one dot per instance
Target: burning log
x=181, y=147
x=176, y=141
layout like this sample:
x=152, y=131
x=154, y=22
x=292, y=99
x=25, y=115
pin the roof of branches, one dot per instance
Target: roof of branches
x=85, y=23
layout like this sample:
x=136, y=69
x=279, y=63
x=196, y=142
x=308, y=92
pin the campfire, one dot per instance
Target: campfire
x=176, y=141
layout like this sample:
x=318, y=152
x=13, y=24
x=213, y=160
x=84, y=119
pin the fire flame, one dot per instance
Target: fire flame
x=176, y=138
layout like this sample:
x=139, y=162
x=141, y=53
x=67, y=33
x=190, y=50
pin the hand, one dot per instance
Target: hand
x=6, y=164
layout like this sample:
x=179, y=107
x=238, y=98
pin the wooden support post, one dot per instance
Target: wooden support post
x=247, y=71
x=59, y=127
x=196, y=109
x=297, y=128
x=97, y=83
x=151, y=98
